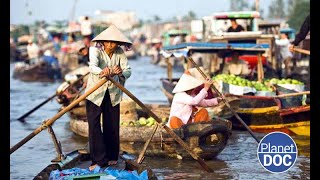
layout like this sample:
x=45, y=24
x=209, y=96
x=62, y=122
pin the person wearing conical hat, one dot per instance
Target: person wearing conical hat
x=186, y=102
x=106, y=59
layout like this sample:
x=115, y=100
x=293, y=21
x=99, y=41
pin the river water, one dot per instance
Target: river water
x=237, y=161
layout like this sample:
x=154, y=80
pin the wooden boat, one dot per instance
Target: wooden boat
x=79, y=160
x=261, y=113
x=40, y=72
x=208, y=139
x=266, y=114
x=132, y=54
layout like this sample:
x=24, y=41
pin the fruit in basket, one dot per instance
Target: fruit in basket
x=124, y=124
x=142, y=121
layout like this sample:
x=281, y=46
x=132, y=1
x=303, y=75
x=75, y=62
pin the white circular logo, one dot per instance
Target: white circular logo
x=277, y=152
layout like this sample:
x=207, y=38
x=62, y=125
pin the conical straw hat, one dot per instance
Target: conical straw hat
x=186, y=82
x=195, y=73
x=112, y=33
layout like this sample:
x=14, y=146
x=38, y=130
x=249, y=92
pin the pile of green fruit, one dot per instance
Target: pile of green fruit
x=232, y=79
x=239, y=81
x=261, y=86
x=142, y=121
x=284, y=81
x=265, y=86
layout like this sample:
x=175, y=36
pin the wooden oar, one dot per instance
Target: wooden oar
x=169, y=130
x=225, y=101
x=49, y=122
x=293, y=94
x=303, y=51
x=141, y=155
x=21, y=118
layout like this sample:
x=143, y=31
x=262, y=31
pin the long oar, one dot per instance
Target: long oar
x=225, y=101
x=293, y=94
x=48, y=122
x=144, y=149
x=176, y=137
x=303, y=51
x=21, y=118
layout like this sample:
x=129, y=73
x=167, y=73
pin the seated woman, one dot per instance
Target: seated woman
x=185, y=103
x=237, y=66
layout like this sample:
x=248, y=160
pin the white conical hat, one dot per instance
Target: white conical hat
x=112, y=33
x=195, y=73
x=186, y=82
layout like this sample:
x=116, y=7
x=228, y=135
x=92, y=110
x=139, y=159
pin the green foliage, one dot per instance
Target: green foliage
x=190, y=16
x=299, y=12
x=277, y=9
x=60, y=23
x=156, y=18
x=238, y=5
x=20, y=31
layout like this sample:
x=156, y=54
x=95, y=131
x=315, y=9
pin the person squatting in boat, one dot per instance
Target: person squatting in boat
x=190, y=94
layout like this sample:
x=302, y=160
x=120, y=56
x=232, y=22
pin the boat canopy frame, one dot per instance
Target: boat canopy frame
x=184, y=50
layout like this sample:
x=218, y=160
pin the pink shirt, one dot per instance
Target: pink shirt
x=182, y=103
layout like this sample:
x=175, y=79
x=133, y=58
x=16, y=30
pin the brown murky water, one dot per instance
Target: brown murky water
x=237, y=161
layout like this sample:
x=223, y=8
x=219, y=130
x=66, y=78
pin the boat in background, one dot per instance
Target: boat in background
x=264, y=114
x=132, y=54
x=40, y=72
x=267, y=114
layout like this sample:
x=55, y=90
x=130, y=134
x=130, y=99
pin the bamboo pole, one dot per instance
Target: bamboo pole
x=49, y=122
x=169, y=69
x=260, y=68
x=169, y=130
x=293, y=94
x=303, y=51
x=225, y=101
x=141, y=155
x=21, y=118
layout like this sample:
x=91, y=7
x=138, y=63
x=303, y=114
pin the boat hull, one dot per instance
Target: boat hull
x=33, y=73
x=206, y=139
x=76, y=159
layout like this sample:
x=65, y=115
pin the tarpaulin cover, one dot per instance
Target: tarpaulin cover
x=108, y=173
x=206, y=47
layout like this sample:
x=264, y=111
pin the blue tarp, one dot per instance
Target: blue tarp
x=183, y=49
x=112, y=173
x=208, y=45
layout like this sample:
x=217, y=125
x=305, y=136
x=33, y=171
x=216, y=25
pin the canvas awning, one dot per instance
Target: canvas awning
x=184, y=49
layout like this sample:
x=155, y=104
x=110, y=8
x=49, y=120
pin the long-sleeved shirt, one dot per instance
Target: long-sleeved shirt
x=99, y=59
x=284, y=48
x=238, y=67
x=86, y=28
x=182, y=103
x=33, y=51
x=304, y=30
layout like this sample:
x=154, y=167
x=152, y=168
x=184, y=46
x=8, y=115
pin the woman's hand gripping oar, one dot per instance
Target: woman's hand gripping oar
x=176, y=137
x=49, y=122
x=21, y=118
x=225, y=101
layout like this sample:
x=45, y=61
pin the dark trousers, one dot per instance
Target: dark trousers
x=104, y=145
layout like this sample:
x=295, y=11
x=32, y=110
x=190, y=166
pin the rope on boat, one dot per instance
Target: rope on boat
x=44, y=125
